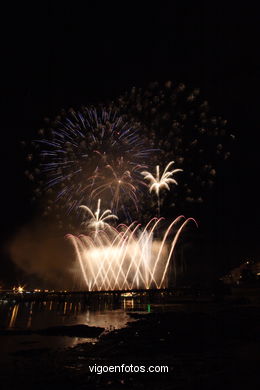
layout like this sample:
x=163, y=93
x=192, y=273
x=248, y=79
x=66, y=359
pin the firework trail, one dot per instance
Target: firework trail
x=92, y=153
x=158, y=182
x=97, y=219
x=129, y=257
x=88, y=153
x=178, y=122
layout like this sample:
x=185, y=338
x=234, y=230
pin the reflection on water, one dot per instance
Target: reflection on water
x=38, y=315
x=13, y=316
x=128, y=304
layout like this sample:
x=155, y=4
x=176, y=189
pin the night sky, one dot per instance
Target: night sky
x=56, y=56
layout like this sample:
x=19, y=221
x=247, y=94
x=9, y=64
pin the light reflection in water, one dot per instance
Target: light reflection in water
x=128, y=304
x=13, y=316
x=38, y=315
x=29, y=323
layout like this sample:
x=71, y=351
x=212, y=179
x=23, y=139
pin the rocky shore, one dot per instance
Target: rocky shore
x=209, y=347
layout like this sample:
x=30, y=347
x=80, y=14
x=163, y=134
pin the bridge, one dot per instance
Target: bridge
x=115, y=295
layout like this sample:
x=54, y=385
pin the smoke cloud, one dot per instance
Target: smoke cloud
x=38, y=249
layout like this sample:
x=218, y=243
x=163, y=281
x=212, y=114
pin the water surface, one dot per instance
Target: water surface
x=40, y=315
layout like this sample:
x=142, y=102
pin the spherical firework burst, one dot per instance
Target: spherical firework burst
x=121, y=182
x=101, y=152
x=89, y=153
x=178, y=122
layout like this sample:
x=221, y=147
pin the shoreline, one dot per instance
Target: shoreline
x=214, y=346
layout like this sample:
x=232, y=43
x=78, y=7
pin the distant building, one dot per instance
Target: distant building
x=245, y=272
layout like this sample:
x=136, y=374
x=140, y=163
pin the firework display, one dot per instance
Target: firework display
x=179, y=122
x=86, y=154
x=97, y=218
x=129, y=257
x=125, y=160
x=122, y=160
x=93, y=153
x=158, y=182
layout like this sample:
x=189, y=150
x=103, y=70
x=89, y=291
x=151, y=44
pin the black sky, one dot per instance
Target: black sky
x=60, y=54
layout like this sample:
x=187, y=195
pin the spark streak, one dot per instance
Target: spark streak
x=158, y=182
x=127, y=257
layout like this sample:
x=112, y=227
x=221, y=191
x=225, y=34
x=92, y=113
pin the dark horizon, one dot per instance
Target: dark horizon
x=65, y=56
